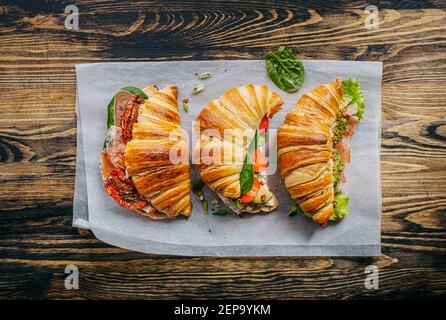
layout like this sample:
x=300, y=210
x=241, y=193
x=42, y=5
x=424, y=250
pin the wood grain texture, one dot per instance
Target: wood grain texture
x=38, y=143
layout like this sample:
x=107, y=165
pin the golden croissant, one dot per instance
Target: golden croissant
x=229, y=153
x=145, y=164
x=313, y=146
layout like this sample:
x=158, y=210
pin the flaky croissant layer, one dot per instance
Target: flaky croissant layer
x=240, y=108
x=148, y=156
x=305, y=150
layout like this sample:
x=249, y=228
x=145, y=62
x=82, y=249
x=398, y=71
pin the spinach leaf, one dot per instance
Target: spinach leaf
x=111, y=104
x=247, y=175
x=111, y=113
x=285, y=70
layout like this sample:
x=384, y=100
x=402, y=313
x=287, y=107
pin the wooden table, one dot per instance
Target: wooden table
x=38, y=144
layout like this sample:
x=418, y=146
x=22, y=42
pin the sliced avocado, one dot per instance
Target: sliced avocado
x=264, y=194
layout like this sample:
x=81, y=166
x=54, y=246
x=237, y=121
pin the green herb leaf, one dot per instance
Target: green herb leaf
x=205, y=206
x=235, y=203
x=185, y=107
x=295, y=210
x=205, y=75
x=341, y=206
x=246, y=175
x=352, y=94
x=285, y=70
x=111, y=113
x=254, y=144
x=197, y=89
x=220, y=212
x=197, y=185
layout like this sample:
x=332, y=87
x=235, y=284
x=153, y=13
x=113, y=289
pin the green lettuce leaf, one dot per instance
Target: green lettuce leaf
x=352, y=94
x=341, y=206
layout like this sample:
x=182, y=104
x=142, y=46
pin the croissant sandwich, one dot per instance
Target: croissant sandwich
x=230, y=152
x=313, y=147
x=140, y=165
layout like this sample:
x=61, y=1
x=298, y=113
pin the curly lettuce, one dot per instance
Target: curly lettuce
x=352, y=94
x=341, y=208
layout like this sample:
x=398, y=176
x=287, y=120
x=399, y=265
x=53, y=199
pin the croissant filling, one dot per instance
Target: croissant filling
x=116, y=181
x=314, y=146
x=259, y=197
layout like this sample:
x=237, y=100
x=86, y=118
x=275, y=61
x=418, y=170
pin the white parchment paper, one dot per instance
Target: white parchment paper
x=273, y=234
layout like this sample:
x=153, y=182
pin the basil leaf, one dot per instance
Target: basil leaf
x=220, y=212
x=254, y=143
x=285, y=70
x=247, y=175
x=111, y=104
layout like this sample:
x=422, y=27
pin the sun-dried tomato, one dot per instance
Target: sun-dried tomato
x=122, y=189
x=130, y=117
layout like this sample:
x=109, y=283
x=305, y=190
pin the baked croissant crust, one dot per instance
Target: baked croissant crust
x=242, y=110
x=307, y=149
x=156, y=158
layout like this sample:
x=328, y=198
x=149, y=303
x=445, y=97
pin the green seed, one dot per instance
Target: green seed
x=205, y=75
x=197, y=89
x=204, y=205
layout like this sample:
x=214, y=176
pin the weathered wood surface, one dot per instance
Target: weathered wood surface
x=38, y=143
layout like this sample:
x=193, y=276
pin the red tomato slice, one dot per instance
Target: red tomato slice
x=249, y=196
x=122, y=189
x=259, y=161
x=264, y=123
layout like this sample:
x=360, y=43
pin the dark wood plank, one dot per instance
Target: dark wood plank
x=38, y=133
